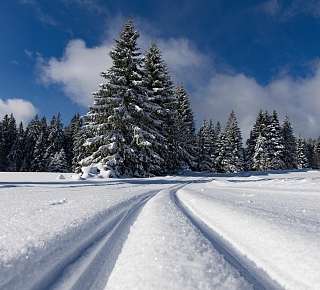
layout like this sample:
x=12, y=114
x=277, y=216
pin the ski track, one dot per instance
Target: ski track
x=257, y=278
x=106, y=256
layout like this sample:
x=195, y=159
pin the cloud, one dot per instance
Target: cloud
x=214, y=92
x=78, y=70
x=22, y=110
x=297, y=98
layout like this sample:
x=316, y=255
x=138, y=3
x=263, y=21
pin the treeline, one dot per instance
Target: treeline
x=40, y=146
x=141, y=124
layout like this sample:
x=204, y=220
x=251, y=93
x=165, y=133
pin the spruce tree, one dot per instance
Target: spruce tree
x=115, y=115
x=17, y=152
x=276, y=143
x=186, y=132
x=289, y=141
x=261, y=157
x=58, y=162
x=256, y=131
x=232, y=157
x=159, y=89
x=205, y=162
x=70, y=133
x=302, y=160
x=8, y=138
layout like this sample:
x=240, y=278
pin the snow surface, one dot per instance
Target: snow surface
x=187, y=232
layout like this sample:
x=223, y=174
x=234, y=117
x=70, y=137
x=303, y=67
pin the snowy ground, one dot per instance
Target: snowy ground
x=185, y=232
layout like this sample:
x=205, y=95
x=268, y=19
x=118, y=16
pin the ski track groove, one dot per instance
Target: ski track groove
x=90, y=264
x=259, y=281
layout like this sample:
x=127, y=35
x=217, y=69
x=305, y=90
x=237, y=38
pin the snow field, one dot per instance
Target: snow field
x=271, y=225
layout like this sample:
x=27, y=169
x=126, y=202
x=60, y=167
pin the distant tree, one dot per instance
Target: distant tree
x=58, y=162
x=289, y=141
x=302, y=160
x=205, y=162
x=70, y=133
x=186, y=132
x=17, y=151
x=232, y=156
x=8, y=138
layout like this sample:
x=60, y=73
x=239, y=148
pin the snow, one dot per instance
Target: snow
x=259, y=231
x=271, y=222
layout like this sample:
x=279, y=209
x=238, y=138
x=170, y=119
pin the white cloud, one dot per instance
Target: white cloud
x=297, y=98
x=214, y=93
x=22, y=110
x=79, y=68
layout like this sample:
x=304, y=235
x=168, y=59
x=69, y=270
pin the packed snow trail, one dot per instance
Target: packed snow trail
x=270, y=223
x=165, y=251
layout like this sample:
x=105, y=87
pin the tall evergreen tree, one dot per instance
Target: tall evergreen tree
x=70, y=133
x=256, y=131
x=186, y=132
x=205, y=162
x=116, y=113
x=275, y=143
x=157, y=83
x=8, y=137
x=17, y=152
x=289, y=141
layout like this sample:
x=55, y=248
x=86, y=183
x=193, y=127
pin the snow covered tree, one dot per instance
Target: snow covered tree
x=116, y=113
x=231, y=158
x=316, y=153
x=158, y=85
x=261, y=157
x=205, y=161
x=8, y=136
x=55, y=139
x=289, y=141
x=186, y=132
x=40, y=143
x=276, y=143
x=302, y=161
x=256, y=131
x=58, y=162
x=16, y=154
x=70, y=133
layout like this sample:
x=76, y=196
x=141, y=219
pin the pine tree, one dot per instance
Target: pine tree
x=232, y=157
x=17, y=152
x=289, y=141
x=205, y=162
x=157, y=83
x=114, y=117
x=40, y=143
x=276, y=143
x=58, y=162
x=55, y=139
x=186, y=133
x=261, y=157
x=70, y=133
x=316, y=153
x=256, y=131
x=302, y=161
x=8, y=137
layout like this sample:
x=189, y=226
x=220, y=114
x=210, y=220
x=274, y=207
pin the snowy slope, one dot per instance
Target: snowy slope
x=187, y=232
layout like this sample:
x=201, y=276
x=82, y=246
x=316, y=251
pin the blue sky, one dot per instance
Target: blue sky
x=241, y=55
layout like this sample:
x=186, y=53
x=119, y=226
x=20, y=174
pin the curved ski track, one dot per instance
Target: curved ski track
x=89, y=265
